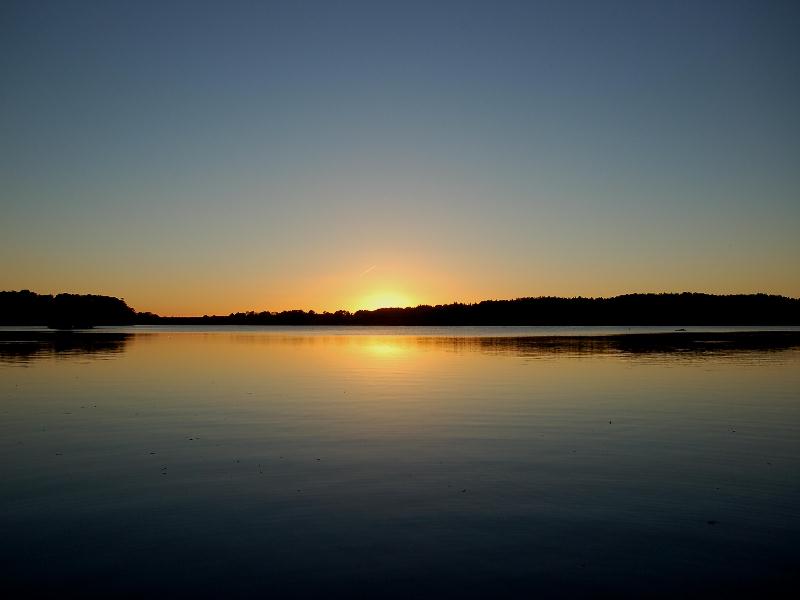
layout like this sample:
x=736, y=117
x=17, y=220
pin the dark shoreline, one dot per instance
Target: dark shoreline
x=686, y=309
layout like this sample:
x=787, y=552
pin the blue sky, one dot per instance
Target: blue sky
x=209, y=157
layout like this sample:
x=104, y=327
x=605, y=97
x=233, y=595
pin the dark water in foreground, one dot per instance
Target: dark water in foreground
x=254, y=463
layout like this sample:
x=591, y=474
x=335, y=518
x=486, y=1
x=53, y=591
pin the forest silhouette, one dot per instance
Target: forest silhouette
x=64, y=311
x=72, y=311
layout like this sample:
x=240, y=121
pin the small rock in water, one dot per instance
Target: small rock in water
x=712, y=522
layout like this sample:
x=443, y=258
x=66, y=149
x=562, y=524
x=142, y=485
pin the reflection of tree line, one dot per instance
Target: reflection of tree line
x=667, y=344
x=29, y=345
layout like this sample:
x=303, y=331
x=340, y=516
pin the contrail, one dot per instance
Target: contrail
x=368, y=270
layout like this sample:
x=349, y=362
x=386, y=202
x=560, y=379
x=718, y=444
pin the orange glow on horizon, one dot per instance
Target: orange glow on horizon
x=384, y=299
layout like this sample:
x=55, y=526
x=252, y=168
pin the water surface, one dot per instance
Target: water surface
x=447, y=462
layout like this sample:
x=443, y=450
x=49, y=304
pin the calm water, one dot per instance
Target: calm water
x=438, y=463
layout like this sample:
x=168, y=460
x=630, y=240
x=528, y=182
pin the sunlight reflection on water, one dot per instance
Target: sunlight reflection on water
x=237, y=463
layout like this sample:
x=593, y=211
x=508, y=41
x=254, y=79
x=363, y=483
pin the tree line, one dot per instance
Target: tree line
x=64, y=311
x=72, y=310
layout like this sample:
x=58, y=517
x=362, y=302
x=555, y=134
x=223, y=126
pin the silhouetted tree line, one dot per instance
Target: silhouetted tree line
x=631, y=309
x=64, y=311
x=72, y=310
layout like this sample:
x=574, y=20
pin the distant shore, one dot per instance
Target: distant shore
x=72, y=311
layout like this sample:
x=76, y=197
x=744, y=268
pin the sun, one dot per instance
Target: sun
x=384, y=299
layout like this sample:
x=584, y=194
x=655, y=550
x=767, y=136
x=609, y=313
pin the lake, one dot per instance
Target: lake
x=406, y=462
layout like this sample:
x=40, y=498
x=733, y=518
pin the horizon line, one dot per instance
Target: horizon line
x=411, y=306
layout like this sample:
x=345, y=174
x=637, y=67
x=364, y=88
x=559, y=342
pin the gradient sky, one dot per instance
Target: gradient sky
x=207, y=157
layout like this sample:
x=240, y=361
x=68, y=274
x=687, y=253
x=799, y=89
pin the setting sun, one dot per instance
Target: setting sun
x=384, y=299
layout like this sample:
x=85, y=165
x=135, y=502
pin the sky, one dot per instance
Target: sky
x=210, y=157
